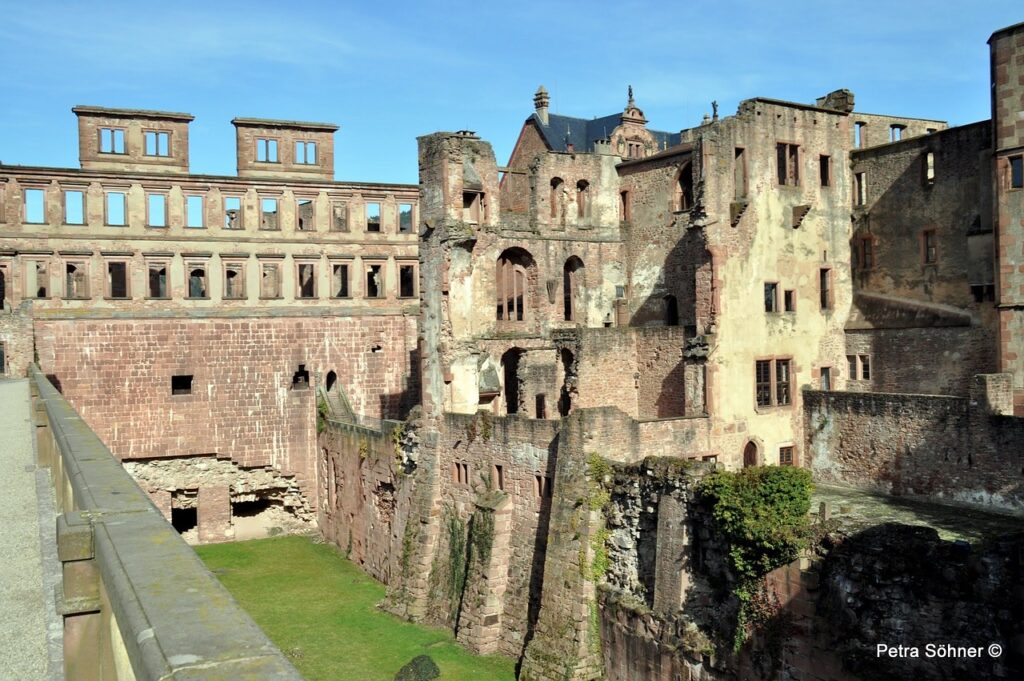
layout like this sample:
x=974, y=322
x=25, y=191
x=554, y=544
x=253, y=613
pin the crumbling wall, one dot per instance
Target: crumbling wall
x=962, y=450
x=15, y=339
x=661, y=372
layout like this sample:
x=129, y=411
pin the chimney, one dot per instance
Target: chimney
x=541, y=100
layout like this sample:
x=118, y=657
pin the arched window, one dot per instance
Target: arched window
x=582, y=198
x=513, y=282
x=572, y=285
x=556, y=197
x=671, y=311
x=684, y=188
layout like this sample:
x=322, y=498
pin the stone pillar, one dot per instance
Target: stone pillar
x=671, y=573
x=695, y=403
x=214, y=514
x=79, y=601
x=483, y=600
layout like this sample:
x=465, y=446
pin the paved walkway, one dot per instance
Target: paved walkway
x=24, y=654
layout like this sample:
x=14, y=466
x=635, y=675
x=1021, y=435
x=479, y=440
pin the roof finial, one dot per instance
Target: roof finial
x=631, y=102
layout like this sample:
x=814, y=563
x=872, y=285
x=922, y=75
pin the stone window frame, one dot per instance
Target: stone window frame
x=34, y=260
x=26, y=187
x=305, y=145
x=364, y=268
x=195, y=262
x=740, y=173
x=112, y=129
x=380, y=216
x=312, y=200
x=202, y=209
x=824, y=170
x=771, y=306
x=460, y=472
x=6, y=282
x=826, y=289
x=1011, y=160
x=860, y=189
x=108, y=292
x=787, y=454
x=683, y=188
x=242, y=265
x=84, y=191
x=277, y=261
x=266, y=139
x=498, y=477
x=107, y=193
x=929, y=247
x=412, y=216
x=928, y=168
x=156, y=132
x=792, y=164
x=859, y=130
x=241, y=211
x=543, y=486
x=789, y=301
x=167, y=209
x=343, y=203
x=625, y=205
x=349, y=262
x=773, y=384
x=864, y=365
x=156, y=262
x=276, y=198
x=82, y=261
x=298, y=262
x=823, y=371
x=414, y=264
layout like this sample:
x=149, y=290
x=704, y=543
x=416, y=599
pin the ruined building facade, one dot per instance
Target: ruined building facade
x=192, y=319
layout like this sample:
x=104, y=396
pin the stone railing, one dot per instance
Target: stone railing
x=136, y=601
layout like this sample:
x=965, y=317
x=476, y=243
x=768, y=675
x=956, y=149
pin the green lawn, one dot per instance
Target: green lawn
x=321, y=611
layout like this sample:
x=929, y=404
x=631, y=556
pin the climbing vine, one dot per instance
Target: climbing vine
x=481, y=536
x=322, y=412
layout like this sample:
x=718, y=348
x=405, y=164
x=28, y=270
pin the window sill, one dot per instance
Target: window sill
x=306, y=299
x=158, y=298
x=195, y=226
x=233, y=298
x=64, y=224
x=79, y=298
x=157, y=227
x=341, y=297
x=408, y=297
x=117, y=299
x=197, y=298
x=270, y=229
x=107, y=224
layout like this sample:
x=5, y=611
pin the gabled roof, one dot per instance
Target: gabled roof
x=582, y=133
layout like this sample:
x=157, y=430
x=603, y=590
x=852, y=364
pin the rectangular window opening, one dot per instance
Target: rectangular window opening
x=826, y=378
x=266, y=150
x=339, y=278
x=339, y=217
x=896, y=132
x=788, y=162
x=307, y=280
x=373, y=217
x=76, y=280
x=865, y=367
x=374, y=281
x=158, y=280
x=407, y=281
x=624, y=208
x=541, y=406
x=116, y=214
x=157, y=143
x=234, y=281
x=789, y=300
x=929, y=168
x=35, y=206
x=859, y=129
x=786, y=456
x=197, y=281
x=498, y=477
x=825, y=170
x=112, y=141
x=268, y=214
x=405, y=218
x=156, y=210
x=117, y=280
x=859, y=189
x=74, y=207
x=1017, y=172
x=739, y=173
x=825, y=288
x=771, y=297
x=181, y=384
x=851, y=367
x=270, y=281
x=195, y=212
x=305, y=215
x=930, y=247
x=37, y=279
x=471, y=207
x=305, y=153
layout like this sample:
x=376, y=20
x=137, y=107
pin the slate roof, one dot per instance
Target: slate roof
x=582, y=132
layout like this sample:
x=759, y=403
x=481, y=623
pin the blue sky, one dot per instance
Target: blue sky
x=387, y=72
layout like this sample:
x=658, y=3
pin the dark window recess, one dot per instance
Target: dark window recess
x=373, y=282
x=307, y=280
x=825, y=288
x=1017, y=172
x=117, y=272
x=763, y=379
x=300, y=379
x=498, y=477
x=3, y=359
x=826, y=378
x=671, y=311
x=983, y=292
x=157, y=282
x=825, y=170
x=785, y=456
x=771, y=297
x=184, y=519
x=340, y=280
x=181, y=385
x=407, y=281
x=789, y=300
x=788, y=162
x=542, y=410
x=405, y=218
x=197, y=283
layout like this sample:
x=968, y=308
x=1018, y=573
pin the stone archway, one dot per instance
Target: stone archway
x=751, y=456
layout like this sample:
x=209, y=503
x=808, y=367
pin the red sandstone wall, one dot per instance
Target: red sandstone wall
x=117, y=374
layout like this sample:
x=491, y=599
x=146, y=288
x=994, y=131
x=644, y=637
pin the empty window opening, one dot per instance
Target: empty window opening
x=339, y=217
x=184, y=519
x=462, y=473
x=75, y=280
x=35, y=206
x=472, y=207
x=624, y=207
x=232, y=212
x=332, y=380
x=557, y=197
x=157, y=143
x=826, y=378
x=825, y=170
x=115, y=209
x=1016, y=172
x=300, y=379
x=181, y=384
x=498, y=477
x=307, y=280
x=234, y=281
x=825, y=288
x=305, y=153
x=405, y=218
x=859, y=129
x=771, y=297
x=270, y=281
x=859, y=189
x=194, y=212
x=568, y=382
x=739, y=174
x=671, y=310
x=684, y=188
x=865, y=367
x=117, y=279
x=304, y=212
x=197, y=282
x=786, y=456
x=374, y=281
x=572, y=284
x=582, y=199
x=373, y=217
x=896, y=132
x=3, y=287
x=541, y=407
x=864, y=253
x=750, y=456
x=339, y=280
x=930, y=248
x=158, y=281
x=74, y=207
x=156, y=210
x=789, y=300
x=512, y=387
x=249, y=509
x=787, y=158
x=542, y=486
x=112, y=141
x=266, y=150
x=929, y=168
x=268, y=214
x=407, y=281
x=983, y=292
x=512, y=283
x=3, y=358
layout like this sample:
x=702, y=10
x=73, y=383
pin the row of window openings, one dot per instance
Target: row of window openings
x=266, y=151
x=460, y=474
x=156, y=143
x=864, y=250
x=156, y=212
x=181, y=384
x=896, y=133
x=860, y=186
x=771, y=294
x=117, y=278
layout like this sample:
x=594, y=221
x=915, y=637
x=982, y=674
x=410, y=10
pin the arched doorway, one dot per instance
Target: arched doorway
x=332, y=378
x=750, y=457
x=671, y=311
